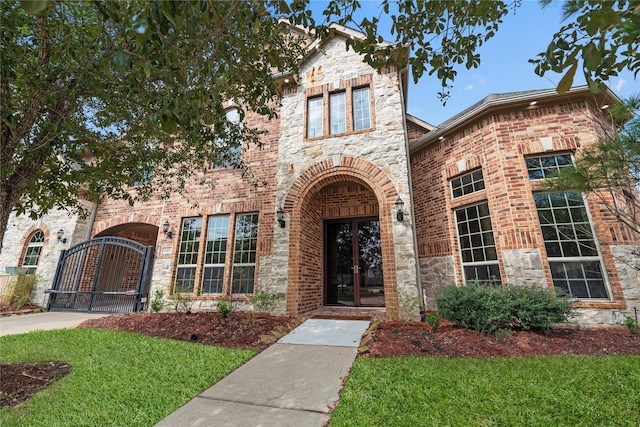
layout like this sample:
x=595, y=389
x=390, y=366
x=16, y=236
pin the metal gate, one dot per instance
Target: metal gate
x=105, y=274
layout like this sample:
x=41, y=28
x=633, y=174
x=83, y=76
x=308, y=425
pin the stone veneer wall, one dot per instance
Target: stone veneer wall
x=20, y=229
x=384, y=147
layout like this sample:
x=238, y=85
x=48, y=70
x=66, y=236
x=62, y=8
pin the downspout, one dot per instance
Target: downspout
x=423, y=312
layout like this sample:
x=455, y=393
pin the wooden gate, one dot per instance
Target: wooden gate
x=105, y=274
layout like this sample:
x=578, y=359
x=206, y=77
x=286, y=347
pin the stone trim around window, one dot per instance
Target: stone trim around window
x=346, y=110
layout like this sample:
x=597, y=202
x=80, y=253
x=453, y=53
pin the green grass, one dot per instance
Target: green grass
x=118, y=378
x=539, y=391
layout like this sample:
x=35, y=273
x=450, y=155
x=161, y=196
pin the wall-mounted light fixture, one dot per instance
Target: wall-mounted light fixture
x=280, y=217
x=399, y=211
x=165, y=229
x=60, y=233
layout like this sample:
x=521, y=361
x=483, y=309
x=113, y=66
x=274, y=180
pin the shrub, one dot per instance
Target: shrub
x=157, y=303
x=632, y=325
x=489, y=309
x=264, y=301
x=433, y=319
x=225, y=308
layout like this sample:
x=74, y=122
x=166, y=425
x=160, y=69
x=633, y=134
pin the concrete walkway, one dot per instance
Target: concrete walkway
x=295, y=382
x=21, y=324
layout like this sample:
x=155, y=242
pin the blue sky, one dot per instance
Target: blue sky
x=504, y=65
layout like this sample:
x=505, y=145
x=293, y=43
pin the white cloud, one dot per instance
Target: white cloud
x=480, y=79
x=621, y=83
x=468, y=87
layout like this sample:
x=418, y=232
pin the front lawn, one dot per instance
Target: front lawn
x=118, y=378
x=537, y=391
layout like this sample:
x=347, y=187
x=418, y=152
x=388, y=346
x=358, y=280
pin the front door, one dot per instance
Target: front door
x=353, y=263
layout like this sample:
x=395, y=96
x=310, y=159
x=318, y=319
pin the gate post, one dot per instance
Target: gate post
x=56, y=279
x=145, y=278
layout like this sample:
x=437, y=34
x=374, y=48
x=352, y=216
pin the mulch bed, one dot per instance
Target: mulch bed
x=20, y=381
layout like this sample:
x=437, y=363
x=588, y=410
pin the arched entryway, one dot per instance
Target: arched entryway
x=341, y=239
x=146, y=234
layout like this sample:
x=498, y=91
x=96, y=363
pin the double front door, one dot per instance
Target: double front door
x=353, y=262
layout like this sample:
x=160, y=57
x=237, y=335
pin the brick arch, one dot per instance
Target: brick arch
x=24, y=242
x=305, y=268
x=114, y=221
x=348, y=169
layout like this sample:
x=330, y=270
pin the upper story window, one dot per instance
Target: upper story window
x=467, y=183
x=229, y=153
x=314, y=117
x=33, y=251
x=361, y=112
x=547, y=166
x=348, y=110
x=338, y=110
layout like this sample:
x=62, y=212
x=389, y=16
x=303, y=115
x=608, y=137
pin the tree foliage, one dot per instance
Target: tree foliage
x=99, y=96
x=604, y=37
x=610, y=169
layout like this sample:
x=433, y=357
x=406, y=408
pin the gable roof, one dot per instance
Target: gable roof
x=337, y=30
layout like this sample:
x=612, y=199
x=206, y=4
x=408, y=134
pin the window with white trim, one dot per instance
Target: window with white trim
x=188, y=254
x=314, y=117
x=477, y=244
x=207, y=277
x=244, y=254
x=33, y=252
x=361, y=109
x=572, y=253
x=347, y=109
x=338, y=112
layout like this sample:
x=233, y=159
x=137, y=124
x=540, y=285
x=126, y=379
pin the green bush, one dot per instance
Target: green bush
x=264, y=301
x=490, y=309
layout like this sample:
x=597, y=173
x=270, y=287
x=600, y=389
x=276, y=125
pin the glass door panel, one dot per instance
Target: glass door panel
x=353, y=263
x=370, y=282
x=340, y=284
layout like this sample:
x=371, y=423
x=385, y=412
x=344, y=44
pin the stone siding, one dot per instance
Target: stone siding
x=21, y=228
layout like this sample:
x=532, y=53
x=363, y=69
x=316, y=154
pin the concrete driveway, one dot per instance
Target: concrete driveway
x=20, y=324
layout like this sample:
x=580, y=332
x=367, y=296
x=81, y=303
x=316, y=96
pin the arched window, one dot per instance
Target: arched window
x=32, y=254
x=229, y=154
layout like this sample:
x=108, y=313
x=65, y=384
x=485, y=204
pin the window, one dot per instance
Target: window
x=348, y=110
x=229, y=152
x=338, y=110
x=188, y=255
x=361, y=114
x=467, y=183
x=244, y=256
x=548, y=166
x=32, y=254
x=572, y=253
x=215, y=255
x=314, y=117
x=210, y=272
x=477, y=245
